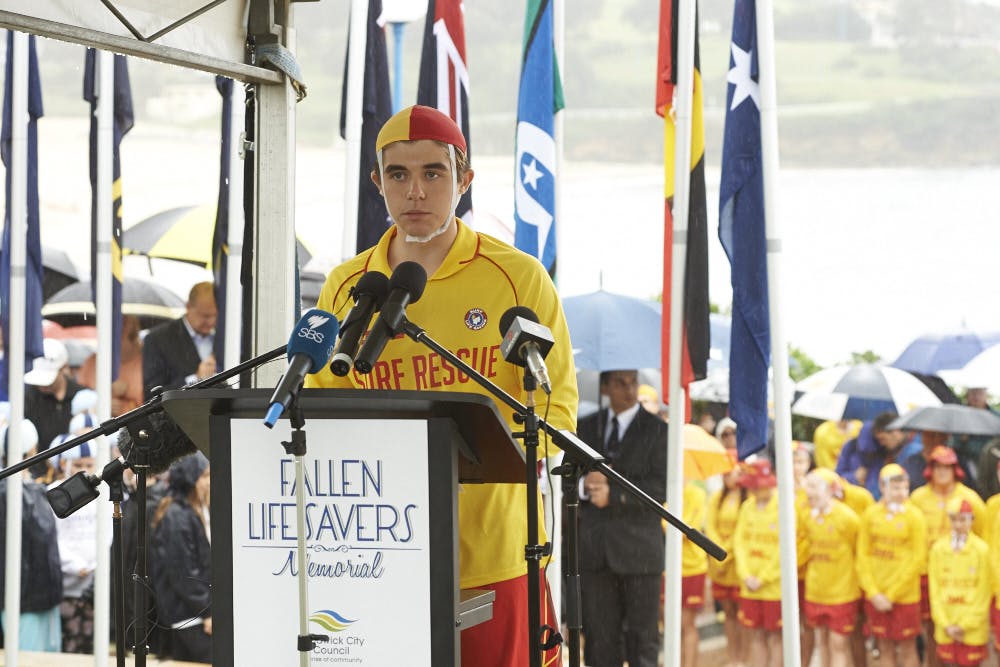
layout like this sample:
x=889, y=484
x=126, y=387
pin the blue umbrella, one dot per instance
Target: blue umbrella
x=613, y=331
x=935, y=352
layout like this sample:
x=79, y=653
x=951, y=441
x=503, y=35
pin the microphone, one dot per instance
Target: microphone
x=369, y=295
x=406, y=286
x=308, y=350
x=173, y=443
x=526, y=342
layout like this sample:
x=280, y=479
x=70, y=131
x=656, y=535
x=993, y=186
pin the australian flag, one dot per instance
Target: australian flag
x=539, y=98
x=741, y=230
x=444, y=78
x=33, y=260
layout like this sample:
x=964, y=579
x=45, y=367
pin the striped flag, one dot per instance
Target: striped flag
x=33, y=260
x=696, y=338
x=123, y=121
x=539, y=98
x=444, y=79
x=376, y=108
x=741, y=229
x=220, y=237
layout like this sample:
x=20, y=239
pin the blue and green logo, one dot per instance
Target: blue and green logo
x=331, y=620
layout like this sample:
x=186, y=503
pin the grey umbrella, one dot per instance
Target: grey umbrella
x=151, y=302
x=950, y=418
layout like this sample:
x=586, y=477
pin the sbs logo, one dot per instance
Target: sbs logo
x=310, y=331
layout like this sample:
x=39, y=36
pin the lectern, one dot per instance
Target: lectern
x=383, y=470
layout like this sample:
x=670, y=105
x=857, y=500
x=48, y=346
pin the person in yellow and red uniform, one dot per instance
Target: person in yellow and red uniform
x=694, y=566
x=944, y=483
x=720, y=527
x=758, y=563
x=958, y=573
x=832, y=591
x=892, y=550
x=473, y=279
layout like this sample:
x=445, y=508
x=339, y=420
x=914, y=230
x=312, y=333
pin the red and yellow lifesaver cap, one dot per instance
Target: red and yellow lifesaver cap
x=420, y=122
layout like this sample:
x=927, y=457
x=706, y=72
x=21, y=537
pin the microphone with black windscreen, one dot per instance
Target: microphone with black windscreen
x=171, y=444
x=369, y=295
x=406, y=286
x=309, y=348
x=526, y=342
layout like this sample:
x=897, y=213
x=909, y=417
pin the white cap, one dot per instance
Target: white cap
x=84, y=400
x=29, y=436
x=45, y=369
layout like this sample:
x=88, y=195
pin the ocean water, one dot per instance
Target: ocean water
x=872, y=258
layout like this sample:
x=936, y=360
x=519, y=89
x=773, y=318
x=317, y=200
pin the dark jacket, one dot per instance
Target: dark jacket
x=168, y=356
x=41, y=572
x=626, y=537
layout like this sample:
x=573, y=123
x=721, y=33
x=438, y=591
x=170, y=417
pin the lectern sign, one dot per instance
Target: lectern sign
x=367, y=543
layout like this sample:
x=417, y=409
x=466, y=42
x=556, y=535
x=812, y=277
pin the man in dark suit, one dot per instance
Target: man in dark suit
x=180, y=352
x=621, y=542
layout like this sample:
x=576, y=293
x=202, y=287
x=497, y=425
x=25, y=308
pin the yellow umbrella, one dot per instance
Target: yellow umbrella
x=183, y=234
x=704, y=454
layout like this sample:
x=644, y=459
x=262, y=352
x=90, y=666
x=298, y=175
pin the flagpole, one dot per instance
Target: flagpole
x=234, y=261
x=18, y=317
x=105, y=329
x=779, y=349
x=352, y=124
x=684, y=95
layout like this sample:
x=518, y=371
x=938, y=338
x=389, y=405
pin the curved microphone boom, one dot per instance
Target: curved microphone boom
x=309, y=348
x=369, y=295
x=526, y=342
x=406, y=286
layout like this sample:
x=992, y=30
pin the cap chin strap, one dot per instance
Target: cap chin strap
x=455, y=197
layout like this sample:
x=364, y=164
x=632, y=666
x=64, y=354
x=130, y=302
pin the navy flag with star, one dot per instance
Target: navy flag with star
x=742, y=232
x=539, y=98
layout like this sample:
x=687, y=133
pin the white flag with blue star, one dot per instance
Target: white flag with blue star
x=539, y=98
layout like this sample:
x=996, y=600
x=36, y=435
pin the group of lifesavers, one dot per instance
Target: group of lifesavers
x=923, y=565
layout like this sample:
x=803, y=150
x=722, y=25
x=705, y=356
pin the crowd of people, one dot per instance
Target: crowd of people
x=59, y=556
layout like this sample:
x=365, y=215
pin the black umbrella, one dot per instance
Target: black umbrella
x=58, y=271
x=150, y=302
x=950, y=418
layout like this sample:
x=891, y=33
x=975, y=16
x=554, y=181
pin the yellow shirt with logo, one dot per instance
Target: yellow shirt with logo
x=892, y=550
x=960, y=589
x=831, y=575
x=755, y=546
x=460, y=309
x=694, y=560
x=934, y=506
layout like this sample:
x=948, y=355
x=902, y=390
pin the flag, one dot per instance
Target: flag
x=696, y=336
x=220, y=237
x=33, y=259
x=376, y=108
x=123, y=121
x=444, y=79
x=539, y=98
x=741, y=230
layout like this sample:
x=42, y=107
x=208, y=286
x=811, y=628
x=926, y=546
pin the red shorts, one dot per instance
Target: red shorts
x=723, y=592
x=693, y=591
x=962, y=654
x=841, y=618
x=903, y=622
x=995, y=622
x=503, y=640
x=925, y=598
x=762, y=614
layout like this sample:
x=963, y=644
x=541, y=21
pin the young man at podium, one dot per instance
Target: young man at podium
x=473, y=279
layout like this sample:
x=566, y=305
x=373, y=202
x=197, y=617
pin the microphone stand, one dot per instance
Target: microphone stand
x=579, y=452
x=297, y=448
x=533, y=551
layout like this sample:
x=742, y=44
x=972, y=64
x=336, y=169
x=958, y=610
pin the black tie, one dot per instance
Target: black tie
x=614, y=442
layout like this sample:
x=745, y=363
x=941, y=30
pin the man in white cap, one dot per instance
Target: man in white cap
x=48, y=398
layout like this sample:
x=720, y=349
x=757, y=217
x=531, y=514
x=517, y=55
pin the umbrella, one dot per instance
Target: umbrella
x=860, y=392
x=310, y=284
x=950, y=419
x=149, y=301
x=58, y=271
x=704, y=454
x=983, y=370
x=183, y=234
x=613, y=332
x=931, y=353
